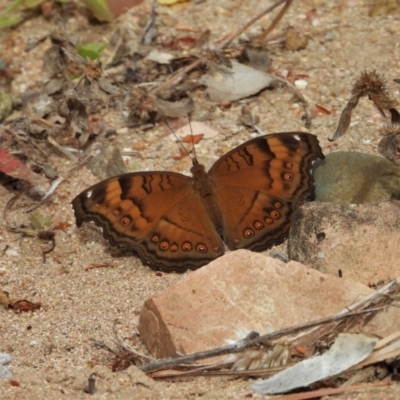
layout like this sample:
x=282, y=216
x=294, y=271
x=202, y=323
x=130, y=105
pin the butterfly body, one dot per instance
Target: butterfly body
x=175, y=222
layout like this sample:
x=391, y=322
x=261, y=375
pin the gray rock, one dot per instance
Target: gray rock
x=356, y=178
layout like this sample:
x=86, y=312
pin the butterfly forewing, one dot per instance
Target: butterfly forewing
x=154, y=213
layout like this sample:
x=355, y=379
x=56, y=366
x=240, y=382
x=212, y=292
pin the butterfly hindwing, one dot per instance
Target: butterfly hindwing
x=260, y=184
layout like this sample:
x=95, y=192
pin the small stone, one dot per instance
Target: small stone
x=300, y=83
x=295, y=40
x=5, y=373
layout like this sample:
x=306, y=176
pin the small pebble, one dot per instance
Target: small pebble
x=300, y=84
x=5, y=373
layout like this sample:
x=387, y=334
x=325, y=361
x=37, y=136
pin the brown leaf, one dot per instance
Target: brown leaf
x=122, y=361
x=61, y=225
x=193, y=139
x=345, y=118
x=323, y=110
x=25, y=305
x=13, y=167
x=182, y=155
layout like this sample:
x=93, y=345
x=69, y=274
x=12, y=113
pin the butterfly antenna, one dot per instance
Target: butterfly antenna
x=191, y=134
x=180, y=142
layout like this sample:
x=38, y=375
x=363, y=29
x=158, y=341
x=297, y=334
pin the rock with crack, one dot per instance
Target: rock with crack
x=246, y=290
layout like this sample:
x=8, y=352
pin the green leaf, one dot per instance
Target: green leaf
x=39, y=221
x=7, y=21
x=396, y=80
x=90, y=51
x=99, y=8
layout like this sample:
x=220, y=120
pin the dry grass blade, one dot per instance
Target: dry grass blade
x=276, y=20
x=243, y=28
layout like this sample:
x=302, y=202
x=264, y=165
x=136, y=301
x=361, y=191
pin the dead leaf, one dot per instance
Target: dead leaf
x=226, y=84
x=175, y=109
x=182, y=155
x=323, y=110
x=77, y=122
x=206, y=130
x=25, y=306
x=13, y=167
x=4, y=299
x=160, y=57
x=348, y=350
x=193, y=139
x=345, y=118
x=61, y=225
x=123, y=361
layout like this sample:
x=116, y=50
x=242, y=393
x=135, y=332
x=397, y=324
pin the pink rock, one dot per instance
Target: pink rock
x=243, y=290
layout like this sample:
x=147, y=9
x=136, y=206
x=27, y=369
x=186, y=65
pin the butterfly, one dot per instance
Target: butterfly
x=175, y=222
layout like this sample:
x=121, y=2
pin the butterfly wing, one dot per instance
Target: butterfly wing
x=260, y=184
x=157, y=214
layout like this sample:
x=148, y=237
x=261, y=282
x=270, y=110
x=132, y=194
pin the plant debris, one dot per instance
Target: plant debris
x=17, y=305
x=369, y=84
x=269, y=354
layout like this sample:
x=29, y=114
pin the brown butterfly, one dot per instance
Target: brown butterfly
x=175, y=222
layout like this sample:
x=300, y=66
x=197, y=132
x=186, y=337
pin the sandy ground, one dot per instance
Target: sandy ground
x=51, y=348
